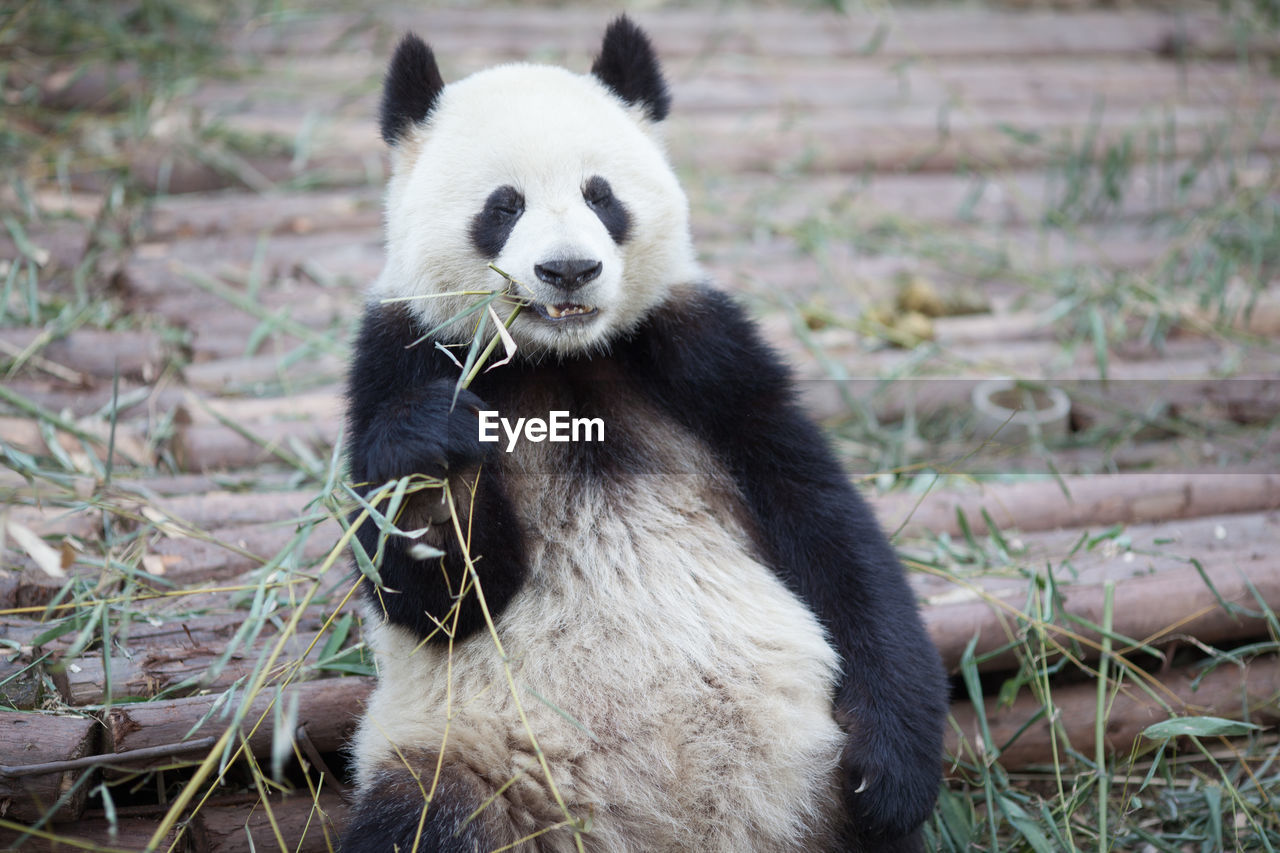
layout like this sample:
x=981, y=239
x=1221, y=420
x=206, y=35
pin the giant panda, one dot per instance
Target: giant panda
x=697, y=626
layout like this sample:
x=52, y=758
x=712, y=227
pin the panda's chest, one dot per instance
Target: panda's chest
x=617, y=499
x=643, y=536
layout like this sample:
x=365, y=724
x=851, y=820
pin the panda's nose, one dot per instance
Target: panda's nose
x=568, y=275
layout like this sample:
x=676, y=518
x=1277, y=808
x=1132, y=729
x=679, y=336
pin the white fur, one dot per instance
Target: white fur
x=545, y=131
x=704, y=682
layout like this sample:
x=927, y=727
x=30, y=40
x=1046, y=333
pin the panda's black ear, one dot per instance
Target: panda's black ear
x=628, y=65
x=410, y=91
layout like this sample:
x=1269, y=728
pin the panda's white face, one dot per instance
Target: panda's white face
x=553, y=179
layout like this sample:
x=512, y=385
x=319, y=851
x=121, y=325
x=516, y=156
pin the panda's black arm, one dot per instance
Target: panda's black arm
x=401, y=420
x=708, y=367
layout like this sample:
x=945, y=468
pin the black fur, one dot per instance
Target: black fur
x=387, y=818
x=612, y=212
x=491, y=227
x=412, y=85
x=628, y=65
x=400, y=422
x=702, y=364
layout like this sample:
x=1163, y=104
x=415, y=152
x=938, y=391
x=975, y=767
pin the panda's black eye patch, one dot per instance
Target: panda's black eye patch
x=491, y=227
x=612, y=212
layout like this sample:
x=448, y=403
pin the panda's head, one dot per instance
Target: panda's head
x=558, y=179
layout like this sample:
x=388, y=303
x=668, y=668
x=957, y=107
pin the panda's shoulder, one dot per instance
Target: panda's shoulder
x=391, y=353
x=701, y=334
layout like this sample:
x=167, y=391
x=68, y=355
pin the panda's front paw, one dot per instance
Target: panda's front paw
x=426, y=433
x=891, y=781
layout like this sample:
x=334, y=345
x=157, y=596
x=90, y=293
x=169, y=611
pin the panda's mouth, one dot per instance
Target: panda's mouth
x=564, y=311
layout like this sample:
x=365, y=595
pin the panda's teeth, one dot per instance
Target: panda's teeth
x=555, y=312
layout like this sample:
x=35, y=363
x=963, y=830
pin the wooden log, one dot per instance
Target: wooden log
x=95, y=352
x=236, y=550
x=29, y=739
x=215, y=508
x=212, y=448
x=327, y=708
x=1223, y=692
x=721, y=208
x=245, y=482
x=132, y=833
x=721, y=81
x=57, y=244
x=48, y=519
x=907, y=140
x=82, y=402
x=724, y=83
x=31, y=587
x=21, y=685
x=208, y=630
x=1092, y=500
x=159, y=269
x=165, y=668
x=100, y=89
x=306, y=825
x=130, y=443
x=319, y=404
x=183, y=217
x=230, y=375
x=1157, y=599
x=692, y=34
